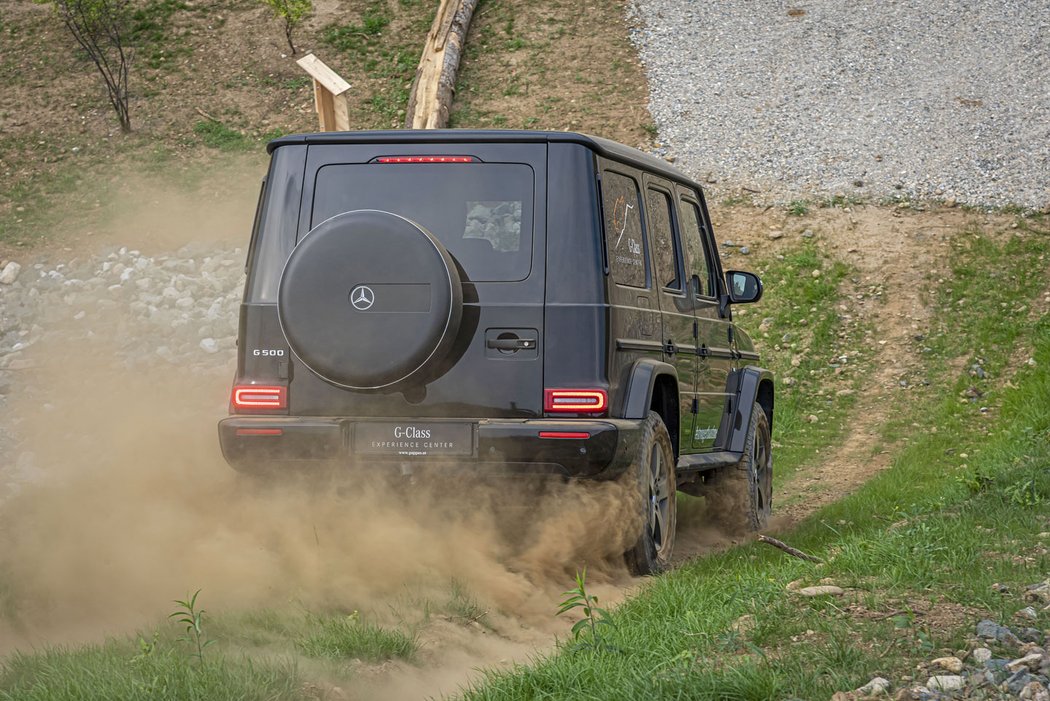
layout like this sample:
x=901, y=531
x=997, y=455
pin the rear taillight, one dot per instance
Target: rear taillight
x=260, y=432
x=575, y=401
x=425, y=159
x=565, y=435
x=258, y=397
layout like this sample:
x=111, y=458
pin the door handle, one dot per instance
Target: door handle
x=511, y=344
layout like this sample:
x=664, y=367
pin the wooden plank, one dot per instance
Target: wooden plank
x=325, y=102
x=340, y=113
x=435, y=82
x=324, y=75
x=333, y=113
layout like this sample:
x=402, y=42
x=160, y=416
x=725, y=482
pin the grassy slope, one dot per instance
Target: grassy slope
x=918, y=547
x=211, y=81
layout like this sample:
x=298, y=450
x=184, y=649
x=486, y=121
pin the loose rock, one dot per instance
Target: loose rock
x=951, y=664
x=1031, y=662
x=982, y=655
x=946, y=682
x=824, y=590
x=875, y=687
x=10, y=273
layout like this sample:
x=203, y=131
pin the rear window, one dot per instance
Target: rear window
x=481, y=212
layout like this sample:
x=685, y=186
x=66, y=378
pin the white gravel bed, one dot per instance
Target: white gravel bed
x=122, y=309
x=878, y=99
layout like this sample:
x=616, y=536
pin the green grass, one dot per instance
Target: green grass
x=462, y=604
x=253, y=658
x=348, y=637
x=385, y=56
x=923, y=534
x=217, y=135
x=154, y=35
x=119, y=670
x=798, y=208
x=798, y=319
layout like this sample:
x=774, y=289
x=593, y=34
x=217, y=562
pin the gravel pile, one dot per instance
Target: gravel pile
x=946, y=99
x=181, y=308
x=1001, y=662
x=131, y=310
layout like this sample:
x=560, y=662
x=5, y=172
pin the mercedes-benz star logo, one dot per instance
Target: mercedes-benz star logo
x=362, y=297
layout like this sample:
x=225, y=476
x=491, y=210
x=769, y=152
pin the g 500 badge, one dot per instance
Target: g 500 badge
x=268, y=352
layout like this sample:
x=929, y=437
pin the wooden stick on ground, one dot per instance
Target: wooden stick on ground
x=788, y=549
x=435, y=82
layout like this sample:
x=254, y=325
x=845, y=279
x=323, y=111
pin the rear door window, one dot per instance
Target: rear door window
x=481, y=212
x=692, y=233
x=665, y=244
x=624, y=235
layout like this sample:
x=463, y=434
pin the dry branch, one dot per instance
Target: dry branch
x=788, y=549
x=435, y=82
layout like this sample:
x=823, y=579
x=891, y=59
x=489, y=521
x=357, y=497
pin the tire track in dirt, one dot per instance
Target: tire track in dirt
x=896, y=253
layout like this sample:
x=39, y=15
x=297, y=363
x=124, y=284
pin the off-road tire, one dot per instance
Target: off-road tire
x=739, y=497
x=652, y=477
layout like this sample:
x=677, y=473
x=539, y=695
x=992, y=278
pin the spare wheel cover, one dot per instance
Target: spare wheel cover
x=369, y=299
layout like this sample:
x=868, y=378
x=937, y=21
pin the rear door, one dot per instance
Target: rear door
x=485, y=204
x=676, y=305
x=714, y=333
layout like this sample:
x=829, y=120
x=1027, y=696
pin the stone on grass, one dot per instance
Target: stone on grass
x=951, y=664
x=1027, y=613
x=982, y=655
x=1016, y=682
x=824, y=590
x=10, y=273
x=946, y=682
x=1030, y=661
x=875, y=687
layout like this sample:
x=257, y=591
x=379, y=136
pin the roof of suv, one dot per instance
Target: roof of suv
x=603, y=147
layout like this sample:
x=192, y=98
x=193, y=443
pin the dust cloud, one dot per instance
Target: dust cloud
x=129, y=504
x=134, y=507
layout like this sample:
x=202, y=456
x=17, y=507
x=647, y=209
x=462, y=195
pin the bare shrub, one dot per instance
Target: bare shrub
x=101, y=27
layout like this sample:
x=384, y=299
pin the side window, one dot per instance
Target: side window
x=623, y=230
x=665, y=245
x=692, y=227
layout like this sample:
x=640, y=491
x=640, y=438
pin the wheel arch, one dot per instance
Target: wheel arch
x=748, y=386
x=653, y=385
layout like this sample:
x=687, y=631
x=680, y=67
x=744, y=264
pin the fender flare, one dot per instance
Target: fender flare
x=742, y=388
x=640, y=382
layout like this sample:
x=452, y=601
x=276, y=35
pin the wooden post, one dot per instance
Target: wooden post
x=435, y=82
x=329, y=94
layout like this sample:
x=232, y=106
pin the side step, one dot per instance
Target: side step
x=702, y=462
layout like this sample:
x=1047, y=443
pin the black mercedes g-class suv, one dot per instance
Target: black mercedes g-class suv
x=536, y=302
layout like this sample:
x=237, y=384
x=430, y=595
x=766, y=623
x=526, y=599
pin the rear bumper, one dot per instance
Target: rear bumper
x=269, y=443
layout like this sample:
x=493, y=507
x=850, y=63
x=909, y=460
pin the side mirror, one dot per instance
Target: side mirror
x=743, y=287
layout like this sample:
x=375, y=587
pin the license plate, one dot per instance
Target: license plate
x=411, y=439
